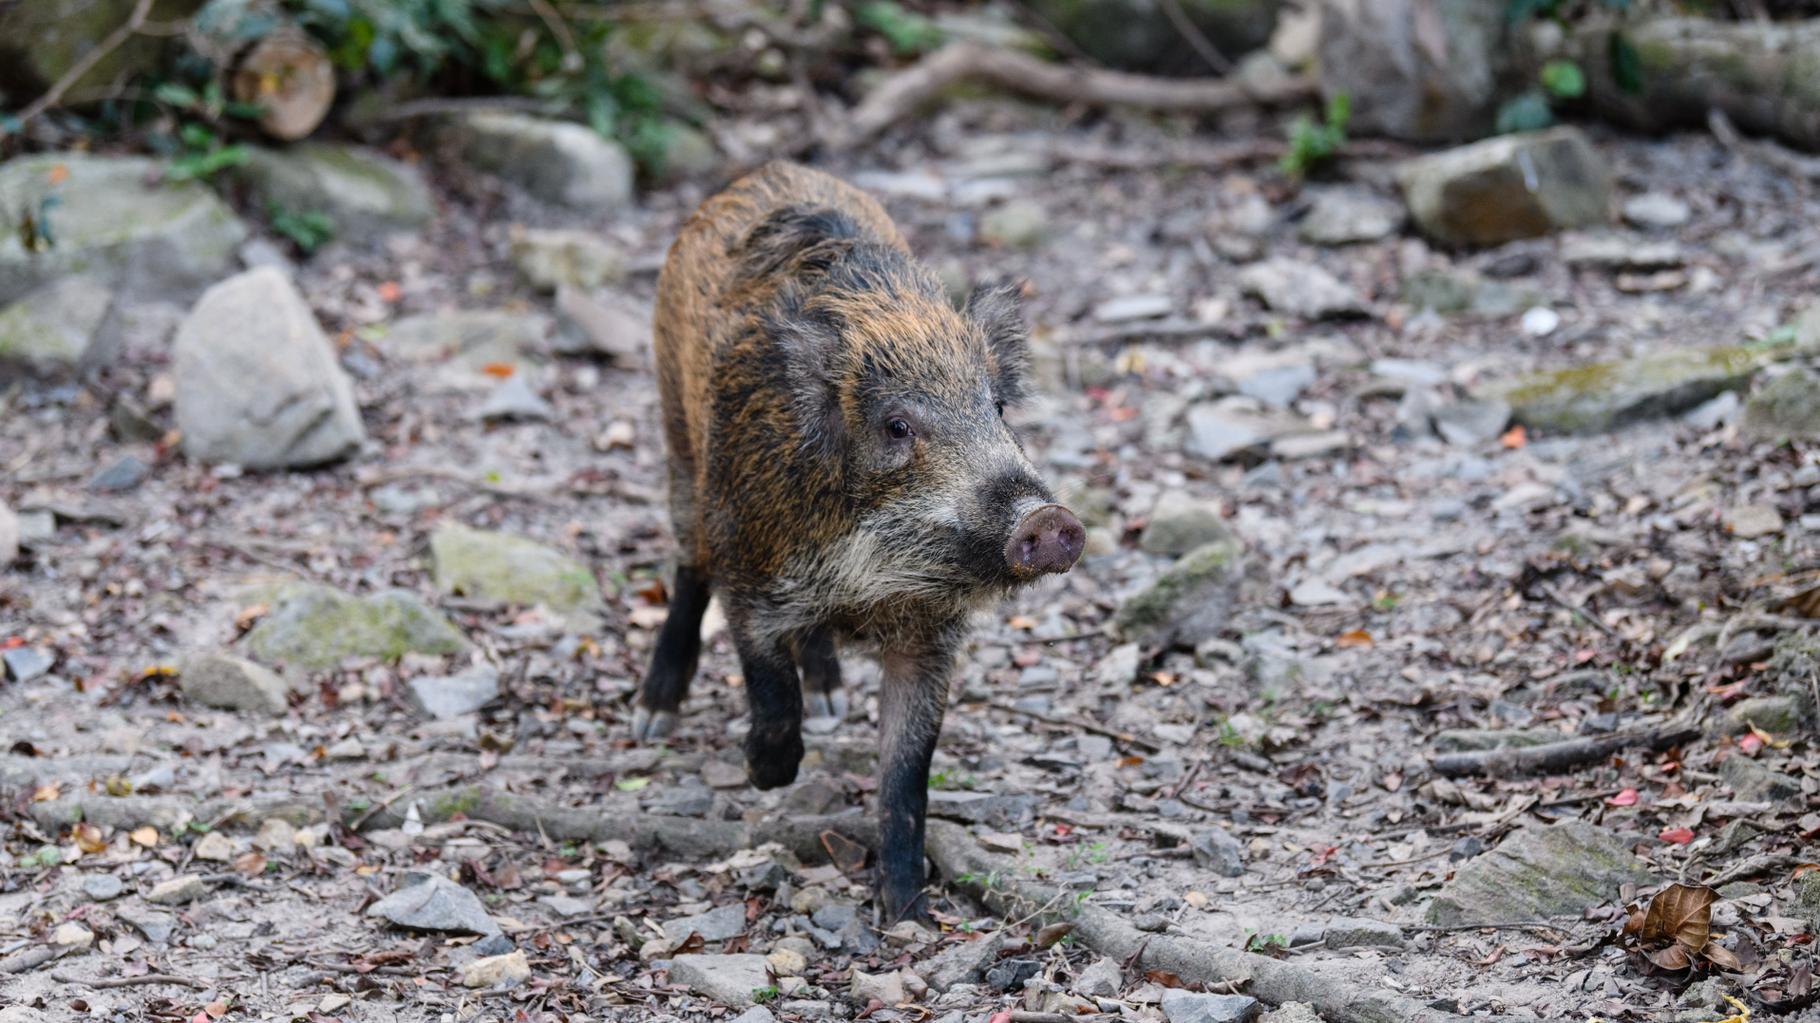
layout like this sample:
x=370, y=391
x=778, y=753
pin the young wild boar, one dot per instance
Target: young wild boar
x=840, y=472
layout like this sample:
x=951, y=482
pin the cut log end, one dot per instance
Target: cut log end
x=292, y=80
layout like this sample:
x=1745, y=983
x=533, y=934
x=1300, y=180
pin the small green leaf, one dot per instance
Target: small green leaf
x=1563, y=79
x=631, y=784
x=1527, y=111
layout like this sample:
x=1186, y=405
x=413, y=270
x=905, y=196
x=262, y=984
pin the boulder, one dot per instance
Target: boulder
x=512, y=570
x=107, y=218
x=1189, y=602
x=233, y=683
x=1421, y=70
x=1508, y=187
x=1180, y=523
x=727, y=979
x=363, y=193
x=56, y=326
x=1140, y=35
x=555, y=161
x=549, y=259
x=1606, y=395
x=1786, y=405
x=43, y=40
x=258, y=384
x=315, y=627
x=1539, y=872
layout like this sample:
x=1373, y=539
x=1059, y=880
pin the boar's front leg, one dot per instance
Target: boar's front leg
x=913, y=694
x=774, y=700
x=674, y=658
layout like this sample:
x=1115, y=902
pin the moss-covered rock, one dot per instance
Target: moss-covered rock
x=56, y=325
x=1189, y=602
x=362, y=192
x=1605, y=395
x=316, y=627
x=1539, y=872
x=108, y=218
x=512, y=570
x=1787, y=405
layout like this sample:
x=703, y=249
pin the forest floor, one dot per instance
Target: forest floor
x=1274, y=787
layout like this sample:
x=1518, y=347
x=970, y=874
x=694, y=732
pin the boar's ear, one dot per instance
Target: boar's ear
x=795, y=243
x=999, y=312
x=809, y=347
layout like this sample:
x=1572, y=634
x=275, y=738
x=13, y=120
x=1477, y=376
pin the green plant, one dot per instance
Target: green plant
x=46, y=856
x=1313, y=143
x=1264, y=943
x=908, y=32
x=764, y=994
x=1561, y=81
x=308, y=230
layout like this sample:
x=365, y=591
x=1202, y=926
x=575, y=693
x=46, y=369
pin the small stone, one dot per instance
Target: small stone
x=24, y=663
x=1179, y=523
x=717, y=924
x=606, y=330
x=1300, y=288
x=1786, y=405
x=513, y=570
x=1181, y=1006
x=361, y=192
x=556, y=161
x=1018, y=224
x=157, y=927
x=1363, y=933
x=1747, y=522
x=1471, y=421
x=1133, y=307
x=435, y=903
x=56, y=326
x=1318, y=593
x=1103, y=979
x=1507, y=187
x=449, y=696
x=1656, y=210
x=718, y=774
x=1539, y=321
x=1778, y=715
x=1603, y=396
x=727, y=979
x=1291, y=1012
x=1539, y=872
x=314, y=627
x=214, y=847
x=1217, y=850
x=72, y=936
x=349, y=748
x=1343, y=216
x=1189, y=602
x=961, y=962
x=9, y=535
x=102, y=887
x=756, y=1014
x=120, y=475
x=471, y=341
x=276, y=835
x=495, y=972
x=887, y=988
x=1616, y=252
x=514, y=399
x=787, y=962
x=560, y=257
x=177, y=891
x=233, y=683
x=1754, y=782
x=1291, y=447
x=1010, y=974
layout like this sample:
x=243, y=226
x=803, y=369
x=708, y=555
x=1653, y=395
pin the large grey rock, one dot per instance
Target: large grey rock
x=257, y=380
x=716, y=924
x=1181, y=1006
x=961, y=962
x=556, y=161
x=233, y=683
x=1189, y=602
x=1786, y=405
x=551, y=258
x=107, y=219
x=512, y=570
x=1139, y=35
x=315, y=627
x=727, y=979
x=1606, y=395
x=1179, y=523
x=1300, y=288
x=1539, y=872
x=1414, y=69
x=363, y=192
x=1509, y=187
x=448, y=696
x=55, y=326
x=435, y=903
x=1342, y=216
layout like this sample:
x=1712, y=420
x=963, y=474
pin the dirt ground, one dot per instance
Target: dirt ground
x=1400, y=588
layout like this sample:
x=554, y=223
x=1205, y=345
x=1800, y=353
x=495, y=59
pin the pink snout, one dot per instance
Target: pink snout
x=1047, y=539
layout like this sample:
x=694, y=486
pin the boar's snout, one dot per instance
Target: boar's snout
x=1047, y=539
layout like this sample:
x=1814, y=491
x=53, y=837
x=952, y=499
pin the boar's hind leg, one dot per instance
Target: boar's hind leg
x=673, y=662
x=774, y=746
x=913, y=694
x=821, y=674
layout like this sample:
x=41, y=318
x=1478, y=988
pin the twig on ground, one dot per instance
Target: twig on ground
x=906, y=91
x=1751, y=867
x=1196, y=39
x=1587, y=613
x=1085, y=726
x=142, y=979
x=109, y=43
x=1556, y=756
x=30, y=959
x=1776, y=156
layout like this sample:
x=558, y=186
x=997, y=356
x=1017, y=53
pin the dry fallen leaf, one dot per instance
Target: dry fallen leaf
x=88, y=838
x=1354, y=638
x=146, y=836
x=46, y=793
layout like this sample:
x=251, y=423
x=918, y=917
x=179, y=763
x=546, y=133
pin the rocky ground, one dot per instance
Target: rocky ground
x=350, y=741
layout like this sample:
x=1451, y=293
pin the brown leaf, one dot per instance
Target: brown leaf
x=1722, y=957
x=146, y=836
x=251, y=864
x=1683, y=914
x=848, y=856
x=88, y=838
x=1162, y=978
x=1673, y=958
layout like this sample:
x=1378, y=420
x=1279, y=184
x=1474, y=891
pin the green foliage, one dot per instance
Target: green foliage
x=386, y=36
x=46, y=856
x=1264, y=943
x=908, y=32
x=761, y=995
x=1312, y=144
x=1563, y=79
x=1626, y=64
x=309, y=230
x=202, y=153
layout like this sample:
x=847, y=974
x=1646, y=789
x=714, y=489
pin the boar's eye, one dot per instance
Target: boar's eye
x=898, y=429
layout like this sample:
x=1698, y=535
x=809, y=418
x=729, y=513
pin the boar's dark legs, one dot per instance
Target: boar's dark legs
x=673, y=661
x=774, y=697
x=913, y=694
x=821, y=674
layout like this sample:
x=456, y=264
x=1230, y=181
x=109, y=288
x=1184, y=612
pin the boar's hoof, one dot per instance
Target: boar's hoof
x=773, y=755
x=825, y=705
x=1048, y=539
x=650, y=725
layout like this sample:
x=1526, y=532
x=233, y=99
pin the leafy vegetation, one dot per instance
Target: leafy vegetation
x=908, y=33
x=309, y=230
x=1313, y=143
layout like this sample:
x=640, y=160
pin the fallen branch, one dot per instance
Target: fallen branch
x=142, y=979
x=1557, y=756
x=907, y=91
x=107, y=45
x=1084, y=726
x=997, y=881
x=30, y=959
